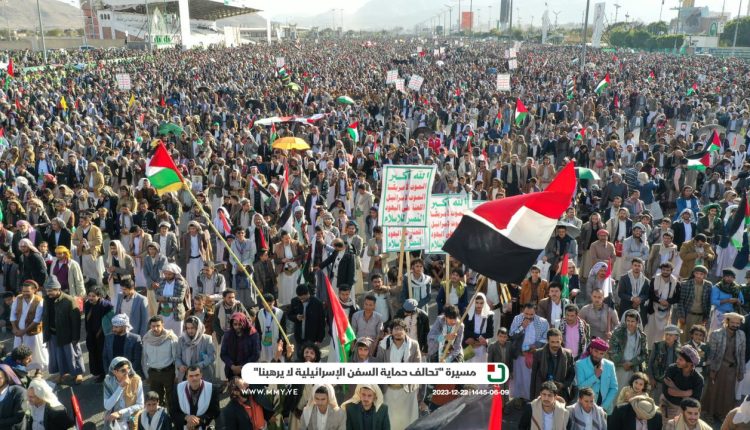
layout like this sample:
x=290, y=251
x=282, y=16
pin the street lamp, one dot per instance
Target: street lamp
x=41, y=31
x=585, y=31
x=737, y=25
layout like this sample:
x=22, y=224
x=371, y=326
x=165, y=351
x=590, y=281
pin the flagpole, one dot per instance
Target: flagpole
x=461, y=321
x=401, y=261
x=238, y=261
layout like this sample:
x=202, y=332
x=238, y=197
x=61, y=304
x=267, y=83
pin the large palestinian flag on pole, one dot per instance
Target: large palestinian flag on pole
x=502, y=238
x=162, y=172
x=738, y=222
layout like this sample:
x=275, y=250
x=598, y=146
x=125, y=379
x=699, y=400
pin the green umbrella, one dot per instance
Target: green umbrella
x=345, y=100
x=584, y=173
x=169, y=127
x=293, y=86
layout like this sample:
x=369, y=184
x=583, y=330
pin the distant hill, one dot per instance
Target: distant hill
x=22, y=15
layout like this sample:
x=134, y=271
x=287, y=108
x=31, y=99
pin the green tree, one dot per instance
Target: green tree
x=743, y=32
x=657, y=28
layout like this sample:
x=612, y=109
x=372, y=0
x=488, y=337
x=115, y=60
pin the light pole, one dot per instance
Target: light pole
x=737, y=25
x=583, y=40
x=510, y=21
x=450, y=17
x=41, y=31
x=471, y=13
x=489, y=19
x=148, y=32
x=458, y=29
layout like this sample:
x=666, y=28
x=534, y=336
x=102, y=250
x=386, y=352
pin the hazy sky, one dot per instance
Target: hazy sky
x=570, y=10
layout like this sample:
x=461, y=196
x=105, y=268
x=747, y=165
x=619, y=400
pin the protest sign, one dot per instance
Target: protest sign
x=123, y=81
x=416, y=239
x=415, y=82
x=512, y=64
x=503, y=82
x=405, y=195
x=391, y=76
x=446, y=211
x=280, y=62
x=400, y=85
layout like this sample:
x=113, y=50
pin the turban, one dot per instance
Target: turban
x=172, y=268
x=733, y=316
x=601, y=230
x=599, y=344
x=63, y=250
x=121, y=320
x=690, y=354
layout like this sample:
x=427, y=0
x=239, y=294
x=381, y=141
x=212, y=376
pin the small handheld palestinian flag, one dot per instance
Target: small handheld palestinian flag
x=699, y=161
x=714, y=143
x=521, y=112
x=564, y=278
x=162, y=172
x=342, y=333
x=499, y=117
x=581, y=134
x=603, y=85
x=274, y=135
x=352, y=131
x=692, y=90
x=571, y=91
x=651, y=75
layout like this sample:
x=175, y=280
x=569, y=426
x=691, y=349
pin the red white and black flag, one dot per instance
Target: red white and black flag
x=501, y=239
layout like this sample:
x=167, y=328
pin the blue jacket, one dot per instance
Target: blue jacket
x=693, y=204
x=132, y=350
x=606, y=385
x=138, y=314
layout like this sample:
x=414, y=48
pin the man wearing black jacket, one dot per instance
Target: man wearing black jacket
x=195, y=402
x=59, y=234
x=342, y=265
x=145, y=218
x=307, y=313
x=43, y=403
x=417, y=323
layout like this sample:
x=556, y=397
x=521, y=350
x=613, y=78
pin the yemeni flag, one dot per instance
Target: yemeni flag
x=584, y=173
x=284, y=189
x=260, y=186
x=162, y=172
x=501, y=239
x=76, y=408
x=496, y=413
x=699, y=161
x=571, y=91
x=692, y=90
x=521, y=112
x=602, y=85
x=564, y=278
x=352, y=130
x=738, y=222
x=714, y=143
x=342, y=333
x=285, y=221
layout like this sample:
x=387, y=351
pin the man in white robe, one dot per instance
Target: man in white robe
x=26, y=318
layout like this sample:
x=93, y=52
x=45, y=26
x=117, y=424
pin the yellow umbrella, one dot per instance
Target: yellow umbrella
x=289, y=143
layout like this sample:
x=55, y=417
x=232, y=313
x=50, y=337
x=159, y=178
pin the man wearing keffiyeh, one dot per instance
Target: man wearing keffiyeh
x=586, y=414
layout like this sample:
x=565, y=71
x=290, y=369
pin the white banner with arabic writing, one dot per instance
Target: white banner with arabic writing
x=405, y=195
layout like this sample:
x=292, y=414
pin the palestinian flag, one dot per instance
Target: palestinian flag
x=588, y=174
x=714, y=143
x=651, y=76
x=521, y=112
x=496, y=412
x=352, y=130
x=376, y=150
x=699, y=161
x=692, y=90
x=274, y=135
x=738, y=222
x=162, y=172
x=342, y=333
x=502, y=238
x=564, y=278
x=284, y=189
x=499, y=117
x=581, y=133
x=285, y=221
x=469, y=149
x=602, y=85
x=571, y=91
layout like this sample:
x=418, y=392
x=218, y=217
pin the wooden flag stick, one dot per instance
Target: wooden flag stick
x=401, y=260
x=461, y=321
x=239, y=264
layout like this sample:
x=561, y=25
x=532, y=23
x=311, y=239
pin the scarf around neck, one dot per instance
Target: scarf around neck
x=579, y=422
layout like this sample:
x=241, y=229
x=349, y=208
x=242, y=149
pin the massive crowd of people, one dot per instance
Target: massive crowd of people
x=648, y=331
